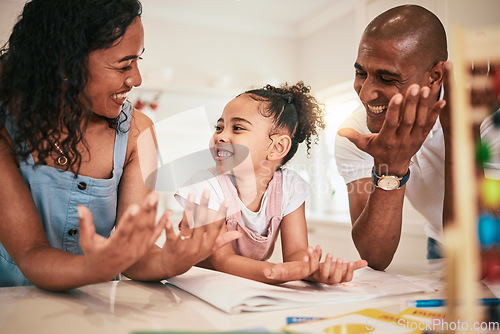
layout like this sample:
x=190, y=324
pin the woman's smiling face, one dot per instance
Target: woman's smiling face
x=114, y=71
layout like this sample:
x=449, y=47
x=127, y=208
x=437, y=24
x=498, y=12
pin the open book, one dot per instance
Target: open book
x=233, y=294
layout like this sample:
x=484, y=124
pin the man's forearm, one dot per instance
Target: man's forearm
x=377, y=230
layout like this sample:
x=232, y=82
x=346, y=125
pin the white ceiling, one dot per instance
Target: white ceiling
x=290, y=18
x=287, y=19
x=286, y=12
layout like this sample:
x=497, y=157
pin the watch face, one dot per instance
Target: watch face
x=388, y=182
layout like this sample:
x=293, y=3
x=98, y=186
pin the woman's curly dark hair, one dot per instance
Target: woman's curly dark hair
x=294, y=110
x=44, y=69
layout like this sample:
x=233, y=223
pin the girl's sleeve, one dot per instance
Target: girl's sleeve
x=295, y=191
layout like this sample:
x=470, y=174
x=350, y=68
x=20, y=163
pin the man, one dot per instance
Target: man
x=400, y=69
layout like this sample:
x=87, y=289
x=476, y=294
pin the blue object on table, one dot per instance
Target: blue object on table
x=488, y=230
x=295, y=320
x=442, y=302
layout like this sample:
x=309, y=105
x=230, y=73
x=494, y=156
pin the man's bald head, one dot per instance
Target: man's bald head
x=415, y=27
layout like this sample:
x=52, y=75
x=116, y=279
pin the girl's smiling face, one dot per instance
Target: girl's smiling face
x=242, y=139
x=114, y=71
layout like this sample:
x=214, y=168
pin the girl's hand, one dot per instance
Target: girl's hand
x=135, y=234
x=191, y=246
x=295, y=270
x=333, y=272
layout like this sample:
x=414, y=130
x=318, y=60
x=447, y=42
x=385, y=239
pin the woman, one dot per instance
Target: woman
x=69, y=153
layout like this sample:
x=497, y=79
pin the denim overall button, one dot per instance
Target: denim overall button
x=82, y=186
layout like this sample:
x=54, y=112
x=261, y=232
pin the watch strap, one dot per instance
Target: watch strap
x=402, y=180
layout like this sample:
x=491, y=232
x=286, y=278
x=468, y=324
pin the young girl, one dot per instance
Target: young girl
x=259, y=132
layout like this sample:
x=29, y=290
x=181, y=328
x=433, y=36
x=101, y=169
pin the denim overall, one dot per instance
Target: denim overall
x=57, y=194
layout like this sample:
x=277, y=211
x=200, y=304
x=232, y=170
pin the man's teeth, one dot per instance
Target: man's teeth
x=120, y=96
x=377, y=109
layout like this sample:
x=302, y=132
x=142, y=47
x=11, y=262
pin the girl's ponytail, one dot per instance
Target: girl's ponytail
x=293, y=109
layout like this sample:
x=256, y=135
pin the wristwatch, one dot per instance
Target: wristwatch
x=389, y=182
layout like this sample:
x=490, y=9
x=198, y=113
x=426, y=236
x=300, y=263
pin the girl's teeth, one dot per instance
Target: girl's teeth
x=223, y=154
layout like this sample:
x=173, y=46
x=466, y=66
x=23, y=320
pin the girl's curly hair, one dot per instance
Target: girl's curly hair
x=294, y=110
x=44, y=70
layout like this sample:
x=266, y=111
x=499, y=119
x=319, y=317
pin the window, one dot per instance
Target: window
x=329, y=192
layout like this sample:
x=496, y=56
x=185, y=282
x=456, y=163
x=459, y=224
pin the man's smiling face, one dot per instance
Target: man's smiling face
x=384, y=68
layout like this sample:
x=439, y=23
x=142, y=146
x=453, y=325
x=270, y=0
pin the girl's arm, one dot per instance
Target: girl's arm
x=295, y=247
x=294, y=241
x=226, y=260
x=301, y=260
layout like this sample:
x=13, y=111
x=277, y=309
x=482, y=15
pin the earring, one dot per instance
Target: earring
x=271, y=154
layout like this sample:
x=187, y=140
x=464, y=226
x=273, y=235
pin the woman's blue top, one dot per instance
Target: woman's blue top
x=57, y=194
